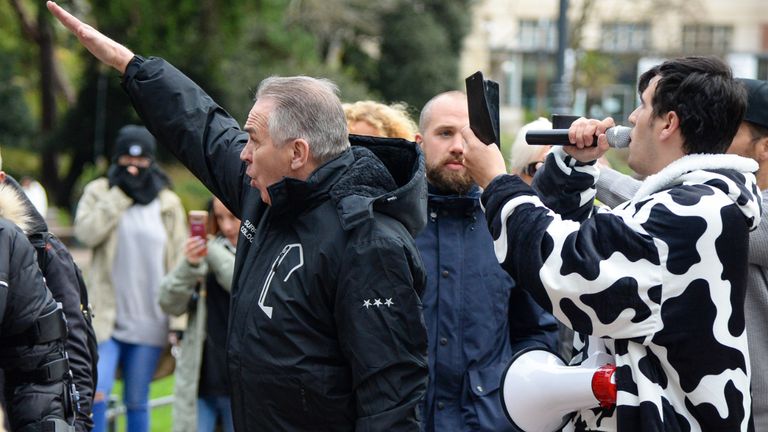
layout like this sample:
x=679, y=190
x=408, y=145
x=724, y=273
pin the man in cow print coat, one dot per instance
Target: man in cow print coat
x=661, y=278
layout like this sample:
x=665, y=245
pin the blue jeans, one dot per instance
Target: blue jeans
x=211, y=407
x=138, y=363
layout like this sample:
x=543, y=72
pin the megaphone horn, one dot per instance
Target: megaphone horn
x=540, y=393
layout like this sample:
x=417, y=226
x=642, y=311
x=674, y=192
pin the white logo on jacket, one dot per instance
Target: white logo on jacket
x=275, y=264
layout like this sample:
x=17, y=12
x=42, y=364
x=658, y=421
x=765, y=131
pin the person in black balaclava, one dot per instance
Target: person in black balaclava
x=133, y=166
x=136, y=228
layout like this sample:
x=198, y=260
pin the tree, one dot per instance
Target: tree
x=595, y=69
x=338, y=25
x=197, y=36
x=275, y=45
x=16, y=124
x=39, y=32
x=417, y=60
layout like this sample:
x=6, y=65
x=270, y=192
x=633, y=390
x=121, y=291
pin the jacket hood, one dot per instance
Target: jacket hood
x=12, y=207
x=732, y=174
x=37, y=221
x=388, y=176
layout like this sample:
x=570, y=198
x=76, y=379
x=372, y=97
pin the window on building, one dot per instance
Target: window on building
x=625, y=37
x=762, y=68
x=537, y=34
x=702, y=38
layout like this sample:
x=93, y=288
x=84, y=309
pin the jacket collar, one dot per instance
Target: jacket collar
x=384, y=175
x=467, y=202
x=292, y=196
x=732, y=174
x=671, y=174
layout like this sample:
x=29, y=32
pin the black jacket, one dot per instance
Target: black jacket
x=32, y=392
x=65, y=282
x=326, y=331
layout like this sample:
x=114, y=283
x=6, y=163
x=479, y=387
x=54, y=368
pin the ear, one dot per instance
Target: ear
x=761, y=150
x=2, y=176
x=671, y=125
x=300, y=154
x=418, y=138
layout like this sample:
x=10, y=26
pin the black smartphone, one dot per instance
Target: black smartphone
x=483, y=106
x=563, y=121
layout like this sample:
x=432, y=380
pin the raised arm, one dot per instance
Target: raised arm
x=183, y=118
x=103, y=48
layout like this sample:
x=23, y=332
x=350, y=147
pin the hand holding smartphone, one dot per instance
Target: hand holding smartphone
x=483, y=106
x=198, y=223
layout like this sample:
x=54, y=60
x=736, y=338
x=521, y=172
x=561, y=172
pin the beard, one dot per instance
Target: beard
x=453, y=182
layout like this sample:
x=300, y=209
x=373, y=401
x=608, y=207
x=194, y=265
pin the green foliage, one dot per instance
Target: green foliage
x=17, y=125
x=416, y=59
x=228, y=47
x=452, y=16
x=161, y=418
x=270, y=47
x=19, y=162
x=194, y=196
x=197, y=36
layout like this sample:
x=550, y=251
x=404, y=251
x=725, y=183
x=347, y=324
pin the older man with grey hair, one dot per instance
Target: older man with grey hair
x=325, y=329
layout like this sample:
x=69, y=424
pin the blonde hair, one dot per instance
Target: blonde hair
x=392, y=121
x=521, y=153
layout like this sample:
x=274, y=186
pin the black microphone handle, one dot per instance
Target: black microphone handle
x=550, y=137
x=618, y=137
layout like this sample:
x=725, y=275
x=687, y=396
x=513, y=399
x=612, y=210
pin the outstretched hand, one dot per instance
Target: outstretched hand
x=483, y=162
x=103, y=48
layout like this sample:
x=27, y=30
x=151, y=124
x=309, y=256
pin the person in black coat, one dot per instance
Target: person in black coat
x=325, y=330
x=38, y=389
x=64, y=280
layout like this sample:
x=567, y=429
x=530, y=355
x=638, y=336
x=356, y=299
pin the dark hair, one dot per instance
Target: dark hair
x=703, y=93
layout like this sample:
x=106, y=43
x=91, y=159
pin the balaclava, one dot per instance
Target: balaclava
x=144, y=187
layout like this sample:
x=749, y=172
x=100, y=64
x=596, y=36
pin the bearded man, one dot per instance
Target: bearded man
x=477, y=318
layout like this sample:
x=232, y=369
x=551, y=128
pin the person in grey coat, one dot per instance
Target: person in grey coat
x=199, y=287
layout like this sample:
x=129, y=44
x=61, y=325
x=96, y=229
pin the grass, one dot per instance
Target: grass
x=160, y=418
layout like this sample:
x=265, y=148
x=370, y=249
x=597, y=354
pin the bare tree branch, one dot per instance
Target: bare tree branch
x=28, y=27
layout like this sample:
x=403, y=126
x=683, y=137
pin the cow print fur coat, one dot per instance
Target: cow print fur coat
x=660, y=280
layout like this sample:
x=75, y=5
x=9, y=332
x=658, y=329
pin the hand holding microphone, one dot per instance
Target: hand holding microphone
x=617, y=136
x=586, y=140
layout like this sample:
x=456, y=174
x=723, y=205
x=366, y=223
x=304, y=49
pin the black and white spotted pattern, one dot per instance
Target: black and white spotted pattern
x=660, y=279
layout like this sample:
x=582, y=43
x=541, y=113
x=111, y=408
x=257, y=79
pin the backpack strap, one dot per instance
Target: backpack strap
x=40, y=242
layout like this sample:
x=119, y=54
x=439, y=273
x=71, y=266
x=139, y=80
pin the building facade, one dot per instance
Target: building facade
x=515, y=43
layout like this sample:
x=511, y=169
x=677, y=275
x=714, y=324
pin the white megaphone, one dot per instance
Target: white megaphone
x=540, y=393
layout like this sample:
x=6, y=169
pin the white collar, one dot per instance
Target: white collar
x=692, y=162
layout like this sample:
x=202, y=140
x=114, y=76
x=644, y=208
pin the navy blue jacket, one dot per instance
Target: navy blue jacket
x=476, y=317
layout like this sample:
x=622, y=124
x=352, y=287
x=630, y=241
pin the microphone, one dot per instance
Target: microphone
x=618, y=137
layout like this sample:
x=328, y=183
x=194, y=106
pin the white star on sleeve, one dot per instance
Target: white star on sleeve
x=367, y=303
x=377, y=302
x=389, y=302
